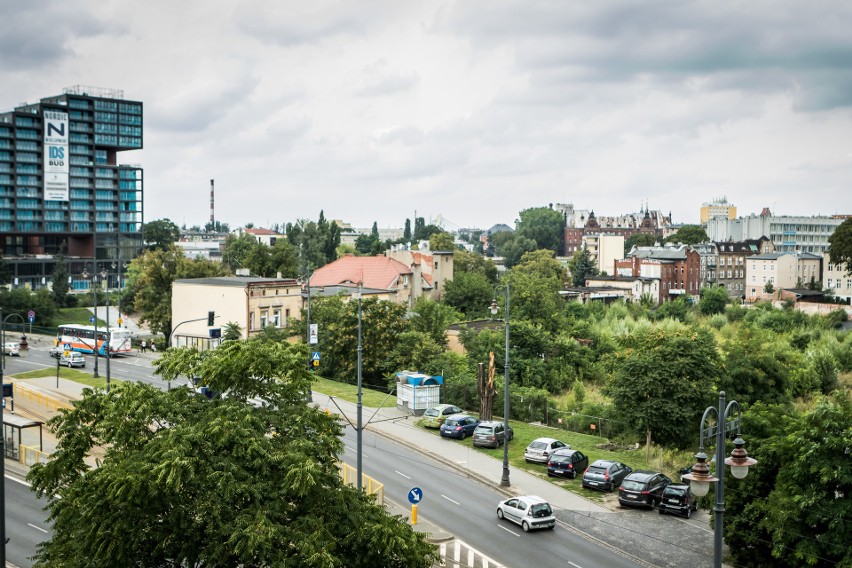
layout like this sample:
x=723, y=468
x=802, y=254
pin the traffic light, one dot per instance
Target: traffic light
x=210, y=317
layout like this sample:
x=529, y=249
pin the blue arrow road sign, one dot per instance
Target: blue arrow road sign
x=315, y=356
x=415, y=495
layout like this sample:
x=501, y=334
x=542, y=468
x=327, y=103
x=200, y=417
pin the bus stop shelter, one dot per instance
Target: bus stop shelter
x=13, y=427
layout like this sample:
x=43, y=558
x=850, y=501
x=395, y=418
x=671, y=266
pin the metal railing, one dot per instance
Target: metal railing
x=370, y=485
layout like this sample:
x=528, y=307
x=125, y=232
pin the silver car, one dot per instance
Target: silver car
x=540, y=449
x=529, y=511
x=73, y=359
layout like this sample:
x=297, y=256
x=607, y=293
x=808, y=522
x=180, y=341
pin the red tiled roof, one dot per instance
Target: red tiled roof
x=372, y=271
x=261, y=232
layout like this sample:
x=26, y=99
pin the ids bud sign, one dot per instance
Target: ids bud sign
x=55, y=156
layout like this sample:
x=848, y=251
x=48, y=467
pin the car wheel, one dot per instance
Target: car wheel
x=688, y=512
x=499, y=513
x=573, y=475
x=525, y=526
x=695, y=506
x=551, y=527
x=464, y=435
x=662, y=511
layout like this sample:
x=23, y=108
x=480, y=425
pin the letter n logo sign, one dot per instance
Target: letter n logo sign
x=59, y=129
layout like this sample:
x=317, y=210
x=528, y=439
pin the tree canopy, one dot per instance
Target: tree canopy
x=840, y=250
x=543, y=225
x=187, y=481
x=581, y=266
x=689, y=235
x=160, y=234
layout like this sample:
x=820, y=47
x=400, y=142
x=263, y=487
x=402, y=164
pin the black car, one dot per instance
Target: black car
x=566, y=463
x=605, y=475
x=642, y=489
x=677, y=498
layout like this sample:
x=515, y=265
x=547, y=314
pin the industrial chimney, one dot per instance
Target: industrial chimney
x=212, y=217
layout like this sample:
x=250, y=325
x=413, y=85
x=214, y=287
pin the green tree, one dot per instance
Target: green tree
x=675, y=309
x=544, y=226
x=441, y=241
x=160, y=234
x=512, y=247
x=768, y=288
x=714, y=299
x=237, y=251
x=414, y=351
x=150, y=276
x=809, y=510
x=756, y=368
x=433, y=318
x=59, y=283
x=406, y=233
x=639, y=240
x=534, y=297
x=581, y=266
x=663, y=380
x=232, y=331
x=187, y=481
x=470, y=293
x=464, y=261
x=543, y=263
x=689, y=235
x=840, y=241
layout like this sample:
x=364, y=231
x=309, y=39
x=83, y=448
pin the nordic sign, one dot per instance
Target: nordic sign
x=415, y=495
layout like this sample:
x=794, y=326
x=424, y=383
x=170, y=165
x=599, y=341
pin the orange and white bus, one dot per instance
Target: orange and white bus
x=82, y=338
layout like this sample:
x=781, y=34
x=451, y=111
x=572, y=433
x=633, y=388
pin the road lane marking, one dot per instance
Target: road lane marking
x=508, y=531
x=37, y=528
x=402, y=474
x=9, y=477
x=363, y=455
x=451, y=500
x=575, y=565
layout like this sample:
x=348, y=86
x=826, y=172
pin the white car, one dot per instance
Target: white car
x=529, y=511
x=541, y=449
x=12, y=348
x=73, y=359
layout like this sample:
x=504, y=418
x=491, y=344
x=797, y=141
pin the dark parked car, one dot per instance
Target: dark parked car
x=489, y=434
x=566, y=463
x=605, y=475
x=459, y=426
x=642, y=489
x=678, y=499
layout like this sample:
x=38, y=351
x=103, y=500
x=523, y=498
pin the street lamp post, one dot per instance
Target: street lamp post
x=700, y=478
x=94, y=289
x=505, y=479
x=3, y=437
x=359, y=406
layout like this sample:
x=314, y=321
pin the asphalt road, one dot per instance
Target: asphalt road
x=467, y=508
x=26, y=522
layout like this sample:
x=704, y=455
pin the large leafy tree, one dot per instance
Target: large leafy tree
x=581, y=266
x=512, y=247
x=59, y=285
x=470, y=293
x=464, y=261
x=810, y=509
x=756, y=368
x=663, y=381
x=544, y=226
x=841, y=245
x=441, y=241
x=150, y=276
x=534, y=297
x=639, y=240
x=187, y=481
x=689, y=235
x=714, y=299
x=160, y=234
x=433, y=318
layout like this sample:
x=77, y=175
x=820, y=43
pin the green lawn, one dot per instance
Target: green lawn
x=78, y=315
x=81, y=376
x=369, y=397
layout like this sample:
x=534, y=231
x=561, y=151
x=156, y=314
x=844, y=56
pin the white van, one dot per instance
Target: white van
x=12, y=348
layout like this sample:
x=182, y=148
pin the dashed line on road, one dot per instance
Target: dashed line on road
x=12, y=478
x=575, y=565
x=508, y=531
x=37, y=528
x=363, y=455
x=453, y=501
x=402, y=474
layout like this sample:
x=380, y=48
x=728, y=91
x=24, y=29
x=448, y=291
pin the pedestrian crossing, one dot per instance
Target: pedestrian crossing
x=458, y=554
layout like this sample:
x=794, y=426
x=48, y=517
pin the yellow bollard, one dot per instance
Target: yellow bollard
x=413, y=515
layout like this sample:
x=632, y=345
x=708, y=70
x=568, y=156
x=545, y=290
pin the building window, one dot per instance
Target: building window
x=276, y=317
x=251, y=321
x=263, y=315
x=286, y=317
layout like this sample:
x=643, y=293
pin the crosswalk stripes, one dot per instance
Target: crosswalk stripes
x=458, y=554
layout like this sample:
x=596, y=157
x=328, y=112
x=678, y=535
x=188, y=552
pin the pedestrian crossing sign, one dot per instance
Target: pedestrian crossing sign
x=315, y=356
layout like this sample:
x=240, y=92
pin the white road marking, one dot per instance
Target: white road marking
x=451, y=500
x=575, y=565
x=37, y=528
x=508, y=531
x=9, y=477
x=402, y=474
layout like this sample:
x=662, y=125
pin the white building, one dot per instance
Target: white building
x=836, y=277
x=787, y=233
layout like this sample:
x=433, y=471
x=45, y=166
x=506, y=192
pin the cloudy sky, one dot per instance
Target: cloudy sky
x=473, y=110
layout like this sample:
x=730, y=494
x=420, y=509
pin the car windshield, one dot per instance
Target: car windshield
x=631, y=485
x=538, y=445
x=560, y=459
x=484, y=429
x=540, y=510
x=676, y=491
x=431, y=412
x=597, y=470
x=452, y=422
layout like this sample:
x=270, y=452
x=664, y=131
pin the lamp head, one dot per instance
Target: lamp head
x=700, y=478
x=493, y=309
x=739, y=460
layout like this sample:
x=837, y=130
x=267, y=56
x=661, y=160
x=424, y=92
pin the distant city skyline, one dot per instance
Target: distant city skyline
x=471, y=110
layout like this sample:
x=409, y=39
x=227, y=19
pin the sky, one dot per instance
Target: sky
x=465, y=111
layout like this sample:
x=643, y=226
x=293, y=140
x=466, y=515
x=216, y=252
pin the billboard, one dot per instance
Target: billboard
x=55, y=156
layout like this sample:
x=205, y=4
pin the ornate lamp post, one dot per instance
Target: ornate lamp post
x=494, y=308
x=700, y=478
